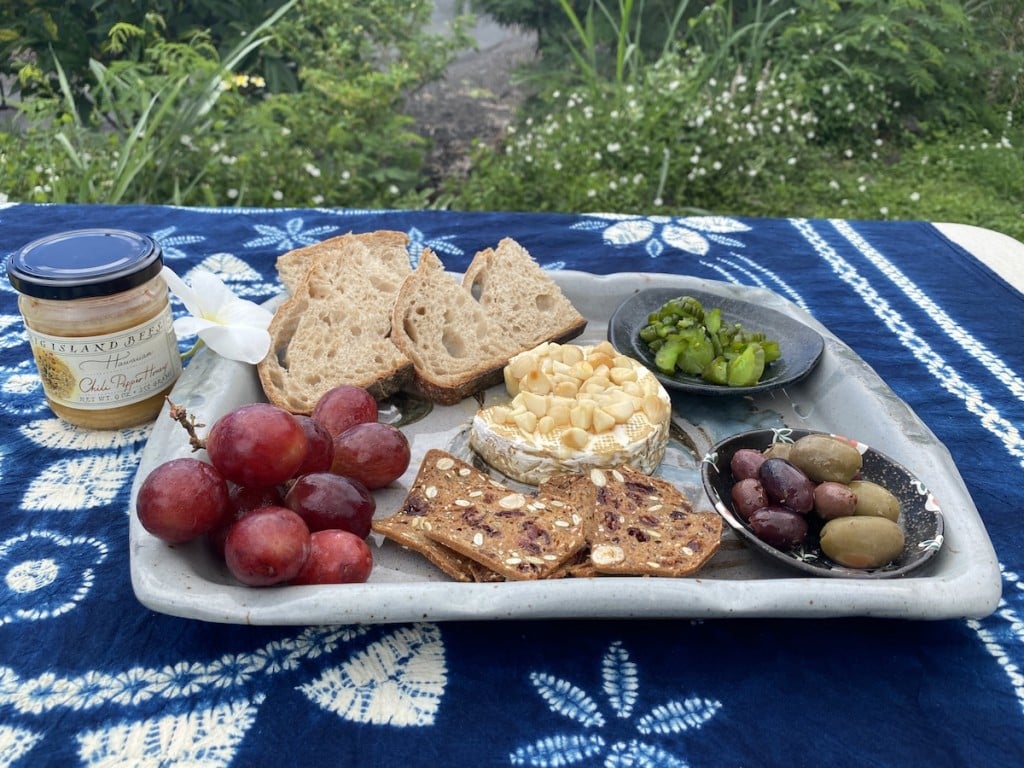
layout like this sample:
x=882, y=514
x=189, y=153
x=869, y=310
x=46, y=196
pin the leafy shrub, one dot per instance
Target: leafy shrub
x=177, y=123
x=75, y=32
x=669, y=141
x=854, y=108
x=763, y=99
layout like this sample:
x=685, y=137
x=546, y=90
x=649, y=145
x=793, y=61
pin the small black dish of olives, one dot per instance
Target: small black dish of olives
x=797, y=543
x=800, y=345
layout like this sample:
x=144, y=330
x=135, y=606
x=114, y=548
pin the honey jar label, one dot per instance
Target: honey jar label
x=108, y=371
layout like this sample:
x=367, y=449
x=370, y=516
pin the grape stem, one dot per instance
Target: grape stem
x=181, y=415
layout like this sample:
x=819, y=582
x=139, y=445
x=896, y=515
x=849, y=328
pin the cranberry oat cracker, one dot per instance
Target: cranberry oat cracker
x=638, y=524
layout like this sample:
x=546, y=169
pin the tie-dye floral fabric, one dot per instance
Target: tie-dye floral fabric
x=88, y=677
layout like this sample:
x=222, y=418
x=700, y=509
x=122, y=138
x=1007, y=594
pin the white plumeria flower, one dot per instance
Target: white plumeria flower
x=232, y=327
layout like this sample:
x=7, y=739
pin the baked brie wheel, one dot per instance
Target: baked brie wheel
x=573, y=408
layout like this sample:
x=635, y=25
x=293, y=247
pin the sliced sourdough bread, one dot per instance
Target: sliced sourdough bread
x=335, y=327
x=455, y=346
x=294, y=265
x=520, y=296
x=460, y=337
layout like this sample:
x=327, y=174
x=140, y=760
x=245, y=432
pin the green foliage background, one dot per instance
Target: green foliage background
x=852, y=108
x=179, y=105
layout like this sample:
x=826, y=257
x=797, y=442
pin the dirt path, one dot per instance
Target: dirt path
x=476, y=100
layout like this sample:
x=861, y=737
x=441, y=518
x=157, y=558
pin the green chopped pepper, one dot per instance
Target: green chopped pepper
x=684, y=337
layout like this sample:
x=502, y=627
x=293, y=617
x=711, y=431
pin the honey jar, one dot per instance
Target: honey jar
x=98, y=319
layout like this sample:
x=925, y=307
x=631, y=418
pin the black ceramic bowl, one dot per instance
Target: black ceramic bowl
x=920, y=517
x=801, y=346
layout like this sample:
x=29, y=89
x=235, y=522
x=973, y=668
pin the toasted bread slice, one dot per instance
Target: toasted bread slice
x=455, y=347
x=335, y=327
x=520, y=296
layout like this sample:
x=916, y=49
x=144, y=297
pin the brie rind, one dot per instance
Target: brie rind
x=573, y=408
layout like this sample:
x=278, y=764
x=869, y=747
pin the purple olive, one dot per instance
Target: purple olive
x=786, y=485
x=745, y=463
x=748, y=497
x=779, y=527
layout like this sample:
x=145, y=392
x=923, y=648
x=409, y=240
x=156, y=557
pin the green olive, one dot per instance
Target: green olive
x=778, y=451
x=823, y=458
x=875, y=501
x=862, y=542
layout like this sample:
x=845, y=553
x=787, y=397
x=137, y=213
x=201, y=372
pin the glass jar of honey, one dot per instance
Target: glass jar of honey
x=99, y=322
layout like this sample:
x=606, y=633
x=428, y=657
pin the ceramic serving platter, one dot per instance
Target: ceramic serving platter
x=841, y=395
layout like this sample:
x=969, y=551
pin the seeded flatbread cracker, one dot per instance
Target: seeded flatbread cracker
x=404, y=529
x=639, y=525
x=644, y=525
x=466, y=512
x=440, y=475
x=520, y=536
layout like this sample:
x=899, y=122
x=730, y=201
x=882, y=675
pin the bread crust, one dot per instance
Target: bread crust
x=422, y=331
x=456, y=349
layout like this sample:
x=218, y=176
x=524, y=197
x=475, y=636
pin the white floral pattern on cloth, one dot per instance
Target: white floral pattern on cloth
x=622, y=691
x=205, y=738
x=237, y=274
x=173, y=246
x=690, y=234
x=292, y=235
x=15, y=743
x=442, y=246
x=45, y=574
x=396, y=681
x=697, y=236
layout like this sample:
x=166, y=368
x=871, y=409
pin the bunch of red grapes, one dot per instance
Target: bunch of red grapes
x=285, y=498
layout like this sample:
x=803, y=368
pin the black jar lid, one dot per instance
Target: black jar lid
x=84, y=263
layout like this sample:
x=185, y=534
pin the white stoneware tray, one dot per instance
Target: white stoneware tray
x=842, y=395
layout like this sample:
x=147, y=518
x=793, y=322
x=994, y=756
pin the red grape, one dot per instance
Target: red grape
x=336, y=557
x=325, y=500
x=375, y=454
x=243, y=501
x=267, y=546
x=257, y=445
x=182, y=499
x=344, y=406
x=319, y=446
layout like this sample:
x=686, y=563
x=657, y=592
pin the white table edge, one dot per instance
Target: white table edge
x=1001, y=253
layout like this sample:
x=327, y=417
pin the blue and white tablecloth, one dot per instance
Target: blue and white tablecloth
x=89, y=677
